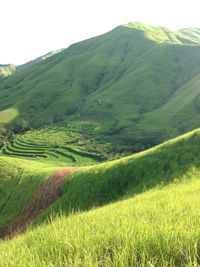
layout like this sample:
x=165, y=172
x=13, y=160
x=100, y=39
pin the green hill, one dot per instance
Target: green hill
x=138, y=84
x=19, y=179
x=153, y=218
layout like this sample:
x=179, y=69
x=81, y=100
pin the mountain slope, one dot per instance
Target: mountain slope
x=159, y=226
x=158, y=166
x=19, y=179
x=107, y=182
x=181, y=111
x=116, y=81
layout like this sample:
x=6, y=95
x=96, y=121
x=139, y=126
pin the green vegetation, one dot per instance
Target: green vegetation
x=103, y=183
x=19, y=179
x=61, y=145
x=161, y=34
x=8, y=115
x=98, y=100
x=5, y=137
x=159, y=227
x=137, y=84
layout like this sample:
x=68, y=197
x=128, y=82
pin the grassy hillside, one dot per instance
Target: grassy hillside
x=118, y=81
x=8, y=115
x=156, y=227
x=19, y=179
x=159, y=228
x=107, y=182
x=104, y=183
x=177, y=110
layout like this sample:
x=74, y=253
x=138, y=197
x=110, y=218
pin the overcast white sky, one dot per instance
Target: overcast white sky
x=31, y=28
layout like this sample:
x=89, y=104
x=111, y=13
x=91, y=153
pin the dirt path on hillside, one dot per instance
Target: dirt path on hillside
x=47, y=193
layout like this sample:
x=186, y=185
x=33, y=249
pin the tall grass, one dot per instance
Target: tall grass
x=18, y=180
x=157, y=228
x=152, y=219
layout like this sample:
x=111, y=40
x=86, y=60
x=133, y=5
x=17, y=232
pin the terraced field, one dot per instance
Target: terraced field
x=55, y=145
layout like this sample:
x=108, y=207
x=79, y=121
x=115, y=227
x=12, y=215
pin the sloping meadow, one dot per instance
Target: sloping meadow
x=156, y=228
x=153, y=218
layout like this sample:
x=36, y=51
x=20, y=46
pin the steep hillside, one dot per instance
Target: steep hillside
x=124, y=82
x=159, y=227
x=19, y=179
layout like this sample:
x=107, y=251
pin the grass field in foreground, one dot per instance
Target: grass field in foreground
x=157, y=228
x=150, y=215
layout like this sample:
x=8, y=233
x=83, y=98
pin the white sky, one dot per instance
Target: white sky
x=31, y=28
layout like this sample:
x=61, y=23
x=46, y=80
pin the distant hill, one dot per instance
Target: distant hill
x=138, y=83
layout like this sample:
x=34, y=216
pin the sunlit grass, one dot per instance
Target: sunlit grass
x=6, y=70
x=157, y=228
x=8, y=115
x=142, y=210
x=18, y=180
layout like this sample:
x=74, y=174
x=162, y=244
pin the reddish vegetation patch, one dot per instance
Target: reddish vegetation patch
x=48, y=192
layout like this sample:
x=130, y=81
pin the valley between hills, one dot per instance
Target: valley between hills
x=99, y=152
